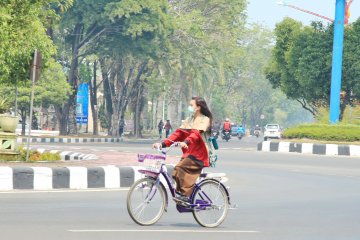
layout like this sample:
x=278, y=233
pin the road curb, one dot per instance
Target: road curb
x=69, y=140
x=76, y=178
x=310, y=148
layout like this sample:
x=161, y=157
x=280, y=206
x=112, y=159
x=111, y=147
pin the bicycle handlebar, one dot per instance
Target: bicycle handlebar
x=159, y=149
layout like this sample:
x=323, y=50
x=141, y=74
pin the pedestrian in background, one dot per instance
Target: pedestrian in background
x=167, y=128
x=121, y=127
x=160, y=128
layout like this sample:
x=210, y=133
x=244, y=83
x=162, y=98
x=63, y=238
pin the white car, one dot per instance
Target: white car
x=272, y=131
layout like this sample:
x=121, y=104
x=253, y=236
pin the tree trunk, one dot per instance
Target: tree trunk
x=137, y=112
x=307, y=106
x=93, y=100
x=23, y=121
x=67, y=121
x=345, y=102
x=107, y=91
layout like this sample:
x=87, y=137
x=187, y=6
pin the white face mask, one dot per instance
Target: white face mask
x=191, y=110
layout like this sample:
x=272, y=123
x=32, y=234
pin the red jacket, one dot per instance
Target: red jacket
x=196, y=145
x=227, y=126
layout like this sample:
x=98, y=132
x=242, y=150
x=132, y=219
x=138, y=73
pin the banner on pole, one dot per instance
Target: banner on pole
x=82, y=103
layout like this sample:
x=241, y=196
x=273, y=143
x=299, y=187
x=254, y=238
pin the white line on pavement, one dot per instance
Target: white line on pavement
x=170, y=230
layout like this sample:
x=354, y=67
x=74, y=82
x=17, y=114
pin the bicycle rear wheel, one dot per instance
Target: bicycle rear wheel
x=146, y=201
x=210, y=191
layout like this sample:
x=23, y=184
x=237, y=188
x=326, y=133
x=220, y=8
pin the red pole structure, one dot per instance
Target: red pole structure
x=346, y=15
x=309, y=12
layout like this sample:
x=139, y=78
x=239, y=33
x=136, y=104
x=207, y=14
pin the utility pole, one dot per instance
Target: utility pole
x=35, y=74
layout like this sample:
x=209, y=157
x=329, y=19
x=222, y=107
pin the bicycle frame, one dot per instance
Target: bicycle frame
x=188, y=207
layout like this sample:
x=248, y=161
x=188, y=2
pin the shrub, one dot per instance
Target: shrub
x=37, y=156
x=48, y=156
x=347, y=133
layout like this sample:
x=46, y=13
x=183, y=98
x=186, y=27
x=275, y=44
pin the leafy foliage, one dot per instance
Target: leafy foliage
x=4, y=105
x=23, y=26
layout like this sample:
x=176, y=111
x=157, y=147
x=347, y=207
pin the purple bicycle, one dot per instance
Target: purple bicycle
x=147, y=198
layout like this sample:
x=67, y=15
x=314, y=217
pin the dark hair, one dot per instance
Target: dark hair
x=204, y=109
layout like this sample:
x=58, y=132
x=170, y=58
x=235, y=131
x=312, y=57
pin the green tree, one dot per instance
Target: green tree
x=51, y=89
x=351, y=65
x=23, y=26
x=302, y=59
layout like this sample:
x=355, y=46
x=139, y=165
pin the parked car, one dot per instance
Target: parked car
x=272, y=131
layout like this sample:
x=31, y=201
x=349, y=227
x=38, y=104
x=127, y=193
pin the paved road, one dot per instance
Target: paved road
x=280, y=196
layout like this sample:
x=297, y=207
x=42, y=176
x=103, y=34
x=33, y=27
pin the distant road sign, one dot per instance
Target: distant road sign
x=262, y=116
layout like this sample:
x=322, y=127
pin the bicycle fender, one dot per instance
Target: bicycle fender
x=211, y=180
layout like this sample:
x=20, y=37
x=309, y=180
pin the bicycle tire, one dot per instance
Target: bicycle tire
x=144, y=187
x=219, y=202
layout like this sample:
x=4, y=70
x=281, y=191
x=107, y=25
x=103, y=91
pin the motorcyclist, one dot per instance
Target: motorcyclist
x=226, y=126
x=216, y=129
x=240, y=131
x=257, y=130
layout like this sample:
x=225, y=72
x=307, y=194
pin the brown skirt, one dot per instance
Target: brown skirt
x=185, y=174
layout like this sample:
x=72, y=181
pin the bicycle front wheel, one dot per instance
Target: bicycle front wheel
x=146, y=201
x=213, y=193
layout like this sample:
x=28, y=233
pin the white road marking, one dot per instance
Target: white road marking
x=164, y=230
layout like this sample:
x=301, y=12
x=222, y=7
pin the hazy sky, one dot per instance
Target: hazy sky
x=269, y=13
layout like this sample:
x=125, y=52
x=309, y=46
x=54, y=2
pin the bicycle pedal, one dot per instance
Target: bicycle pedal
x=181, y=202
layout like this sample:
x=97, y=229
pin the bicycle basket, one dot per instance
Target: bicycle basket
x=151, y=162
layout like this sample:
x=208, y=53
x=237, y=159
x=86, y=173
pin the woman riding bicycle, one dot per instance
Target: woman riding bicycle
x=192, y=136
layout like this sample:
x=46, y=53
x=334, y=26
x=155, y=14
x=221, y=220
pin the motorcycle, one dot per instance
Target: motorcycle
x=226, y=136
x=240, y=135
x=257, y=133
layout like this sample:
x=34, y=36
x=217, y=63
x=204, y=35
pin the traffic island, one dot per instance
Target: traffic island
x=310, y=148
